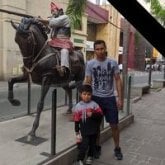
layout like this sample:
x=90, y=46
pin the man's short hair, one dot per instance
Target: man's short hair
x=99, y=42
x=85, y=88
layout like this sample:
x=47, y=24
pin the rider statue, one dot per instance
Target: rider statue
x=60, y=36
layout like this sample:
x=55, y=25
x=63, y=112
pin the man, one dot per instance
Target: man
x=101, y=73
x=60, y=36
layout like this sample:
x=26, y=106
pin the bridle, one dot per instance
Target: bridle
x=34, y=44
x=35, y=59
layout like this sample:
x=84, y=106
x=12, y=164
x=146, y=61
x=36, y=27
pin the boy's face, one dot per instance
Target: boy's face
x=86, y=96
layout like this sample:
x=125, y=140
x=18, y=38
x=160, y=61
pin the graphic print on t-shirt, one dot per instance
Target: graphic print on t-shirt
x=103, y=77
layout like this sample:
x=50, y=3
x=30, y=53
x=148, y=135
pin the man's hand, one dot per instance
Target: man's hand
x=120, y=103
x=44, y=21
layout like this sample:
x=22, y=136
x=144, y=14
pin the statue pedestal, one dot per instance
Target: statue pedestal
x=35, y=141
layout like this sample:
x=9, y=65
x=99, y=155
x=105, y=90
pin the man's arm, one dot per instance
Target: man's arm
x=88, y=80
x=119, y=89
x=61, y=21
x=44, y=21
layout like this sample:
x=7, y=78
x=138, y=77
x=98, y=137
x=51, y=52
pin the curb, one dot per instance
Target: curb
x=68, y=157
x=136, y=99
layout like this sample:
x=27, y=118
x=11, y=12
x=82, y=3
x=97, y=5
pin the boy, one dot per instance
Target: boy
x=87, y=117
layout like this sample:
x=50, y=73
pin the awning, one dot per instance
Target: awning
x=96, y=14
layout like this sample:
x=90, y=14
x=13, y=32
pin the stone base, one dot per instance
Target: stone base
x=159, y=83
x=34, y=141
x=139, y=90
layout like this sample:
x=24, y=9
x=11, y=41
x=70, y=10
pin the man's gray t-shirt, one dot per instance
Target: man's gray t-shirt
x=102, y=73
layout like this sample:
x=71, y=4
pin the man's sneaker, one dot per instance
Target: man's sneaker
x=80, y=162
x=118, y=154
x=97, y=152
x=89, y=160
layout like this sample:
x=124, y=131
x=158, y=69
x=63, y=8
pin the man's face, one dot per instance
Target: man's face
x=54, y=12
x=100, y=51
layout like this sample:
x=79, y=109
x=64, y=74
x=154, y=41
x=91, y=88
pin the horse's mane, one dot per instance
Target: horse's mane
x=26, y=22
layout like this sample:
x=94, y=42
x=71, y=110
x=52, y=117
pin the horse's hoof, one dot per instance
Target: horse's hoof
x=68, y=112
x=30, y=137
x=15, y=102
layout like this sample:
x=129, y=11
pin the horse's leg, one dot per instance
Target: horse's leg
x=69, y=94
x=11, y=82
x=44, y=89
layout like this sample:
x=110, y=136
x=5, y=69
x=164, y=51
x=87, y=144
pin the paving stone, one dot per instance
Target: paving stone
x=143, y=141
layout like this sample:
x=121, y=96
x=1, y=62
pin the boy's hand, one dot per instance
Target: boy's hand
x=89, y=112
x=78, y=138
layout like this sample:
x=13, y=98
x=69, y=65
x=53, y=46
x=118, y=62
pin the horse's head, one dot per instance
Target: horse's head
x=30, y=36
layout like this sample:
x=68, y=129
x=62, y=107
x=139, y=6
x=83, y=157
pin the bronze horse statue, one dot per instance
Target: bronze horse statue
x=39, y=65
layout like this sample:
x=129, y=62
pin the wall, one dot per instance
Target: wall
x=110, y=32
x=1, y=44
x=10, y=59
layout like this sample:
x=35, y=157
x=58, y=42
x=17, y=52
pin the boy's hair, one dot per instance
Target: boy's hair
x=85, y=88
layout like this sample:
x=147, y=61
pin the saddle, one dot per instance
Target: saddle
x=74, y=63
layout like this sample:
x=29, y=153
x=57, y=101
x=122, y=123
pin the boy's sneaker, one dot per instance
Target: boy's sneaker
x=89, y=160
x=80, y=162
x=97, y=152
x=118, y=154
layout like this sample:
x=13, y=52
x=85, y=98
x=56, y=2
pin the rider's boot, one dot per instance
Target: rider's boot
x=63, y=71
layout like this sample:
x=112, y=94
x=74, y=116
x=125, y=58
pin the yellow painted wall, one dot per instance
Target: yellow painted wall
x=155, y=53
x=110, y=33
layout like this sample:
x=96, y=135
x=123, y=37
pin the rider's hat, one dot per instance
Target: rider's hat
x=54, y=7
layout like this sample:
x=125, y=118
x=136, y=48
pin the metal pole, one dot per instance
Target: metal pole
x=29, y=97
x=150, y=73
x=53, y=122
x=125, y=56
x=77, y=96
x=66, y=99
x=129, y=94
x=164, y=71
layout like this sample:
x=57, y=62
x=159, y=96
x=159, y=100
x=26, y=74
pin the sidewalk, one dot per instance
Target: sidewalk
x=15, y=152
x=143, y=142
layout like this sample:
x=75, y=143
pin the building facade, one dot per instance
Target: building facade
x=103, y=23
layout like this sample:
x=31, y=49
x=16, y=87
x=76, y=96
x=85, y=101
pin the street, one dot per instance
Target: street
x=142, y=77
x=7, y=111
